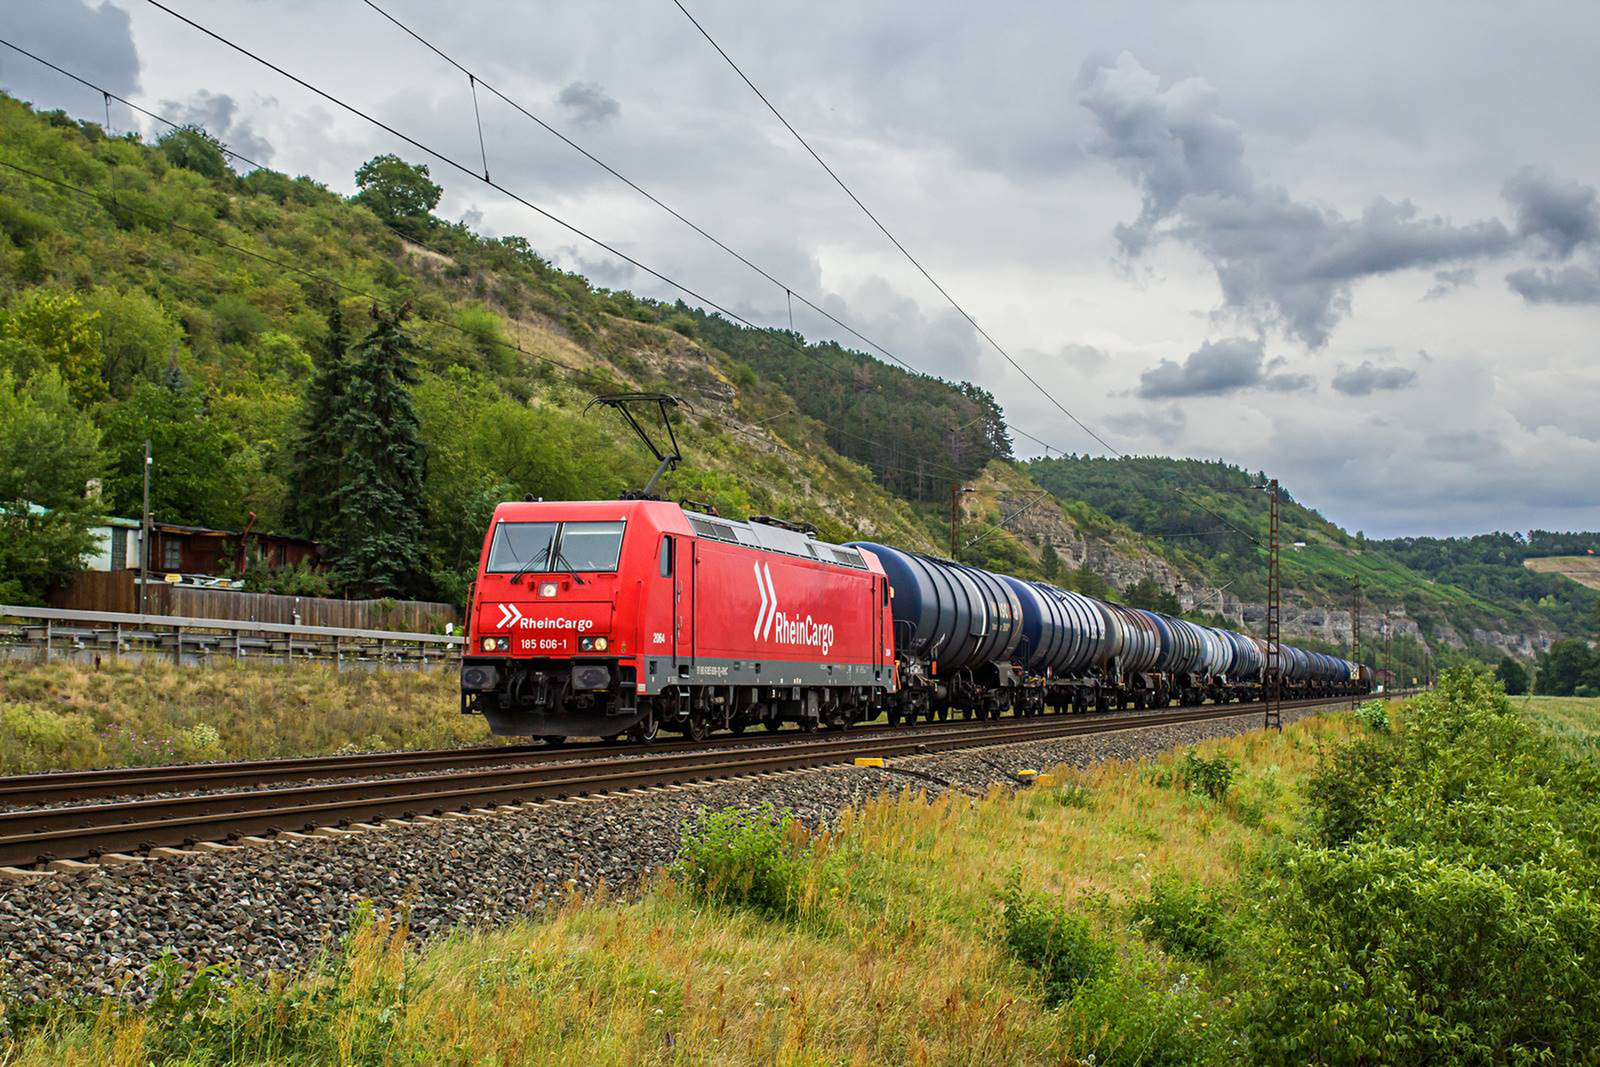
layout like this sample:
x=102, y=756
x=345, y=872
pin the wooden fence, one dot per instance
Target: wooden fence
x=118, y=591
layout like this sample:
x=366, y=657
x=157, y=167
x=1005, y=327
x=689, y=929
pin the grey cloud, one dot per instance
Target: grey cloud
x=1446, y=282
x=1289, y=383
x=588, y=103
x=1085, y=359
x=1217, y=368
x=97, y=38
x=1566, y=285
x=218, y=114
x=1463, y=446
x=1560, y=213
x=940, y=342
x=1165, y=423
x=1288, y=260
x=1369, y=378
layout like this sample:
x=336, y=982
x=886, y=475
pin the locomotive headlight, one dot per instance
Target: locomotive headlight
x=496, y=644
x=592, y=644
x=548, y=588
x=600, y=644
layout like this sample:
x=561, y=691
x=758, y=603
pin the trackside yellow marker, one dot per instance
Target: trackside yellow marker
x=869, y=761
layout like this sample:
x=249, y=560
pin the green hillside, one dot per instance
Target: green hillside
x=1212, y=520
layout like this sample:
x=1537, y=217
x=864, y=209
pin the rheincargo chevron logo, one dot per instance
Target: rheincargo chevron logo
x=769, y=601
x=774, y=624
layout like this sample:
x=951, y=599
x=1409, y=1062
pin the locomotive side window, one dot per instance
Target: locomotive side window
x=589, y=546
x=520, y=544
x=666, y=556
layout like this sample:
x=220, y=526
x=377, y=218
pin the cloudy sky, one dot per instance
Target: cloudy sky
x=1357, y=246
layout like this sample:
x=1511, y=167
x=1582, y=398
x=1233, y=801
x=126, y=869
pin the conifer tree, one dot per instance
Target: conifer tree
x=1050, y=561
x=319, y=453
x=377, y=513
x=360, y=472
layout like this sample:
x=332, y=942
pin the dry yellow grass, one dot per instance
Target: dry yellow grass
x=896, y=958
x=60, y=715
x=1585, y=570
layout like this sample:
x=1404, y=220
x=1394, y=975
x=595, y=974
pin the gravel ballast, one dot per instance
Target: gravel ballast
x=274, y=907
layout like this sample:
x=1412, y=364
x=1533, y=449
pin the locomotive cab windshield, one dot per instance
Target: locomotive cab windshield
x=522, y=548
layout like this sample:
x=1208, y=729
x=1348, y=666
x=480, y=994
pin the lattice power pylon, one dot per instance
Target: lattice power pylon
x=1355, y=632
x=1274, y=669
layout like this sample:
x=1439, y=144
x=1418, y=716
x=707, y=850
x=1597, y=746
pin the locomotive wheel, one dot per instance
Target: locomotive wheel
x=808, y=726
x=698, y=729
x=644, y=732
x=736, y=727
x=772, y=725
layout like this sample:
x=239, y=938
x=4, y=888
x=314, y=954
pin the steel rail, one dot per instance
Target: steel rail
x=29, y=836
x=62, y=786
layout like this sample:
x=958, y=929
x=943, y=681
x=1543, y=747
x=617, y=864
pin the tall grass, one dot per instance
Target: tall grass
x=65, y=716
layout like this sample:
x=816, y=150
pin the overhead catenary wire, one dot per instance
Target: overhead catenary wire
x=1018, y=367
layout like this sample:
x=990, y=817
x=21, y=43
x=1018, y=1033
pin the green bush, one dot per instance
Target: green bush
x=1184, y=919
x=1397, y=955
x=753, y=858
x=1374, y=715
x=1342, y=795
x=1453, y=914
x=1059, y=946
x=1212, y=778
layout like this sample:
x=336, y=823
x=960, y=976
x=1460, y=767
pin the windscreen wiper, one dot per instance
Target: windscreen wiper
x=528, y=566
x=569, y=568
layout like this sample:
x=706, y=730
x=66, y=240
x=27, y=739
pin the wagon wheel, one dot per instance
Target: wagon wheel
x=772, y=725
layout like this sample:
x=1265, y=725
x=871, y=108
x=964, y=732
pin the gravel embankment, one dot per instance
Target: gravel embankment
x=273, y=907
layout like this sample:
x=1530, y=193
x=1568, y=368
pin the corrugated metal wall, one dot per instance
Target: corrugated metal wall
x=117, y=591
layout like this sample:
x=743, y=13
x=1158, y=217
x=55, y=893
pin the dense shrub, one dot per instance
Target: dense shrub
x=1453, y=915
x=1186, y=920
x=1212, y=778
x=758, y=858
x=1342, y=796
x=1374, y=715
x=1396, y=955
x=1058, y=945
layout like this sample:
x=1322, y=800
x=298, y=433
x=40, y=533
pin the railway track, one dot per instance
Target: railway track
x=79, y=830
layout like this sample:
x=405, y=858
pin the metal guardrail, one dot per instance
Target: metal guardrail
x=76, y=634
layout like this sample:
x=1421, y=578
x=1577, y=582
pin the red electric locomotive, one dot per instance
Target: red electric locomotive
x=599, y=618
